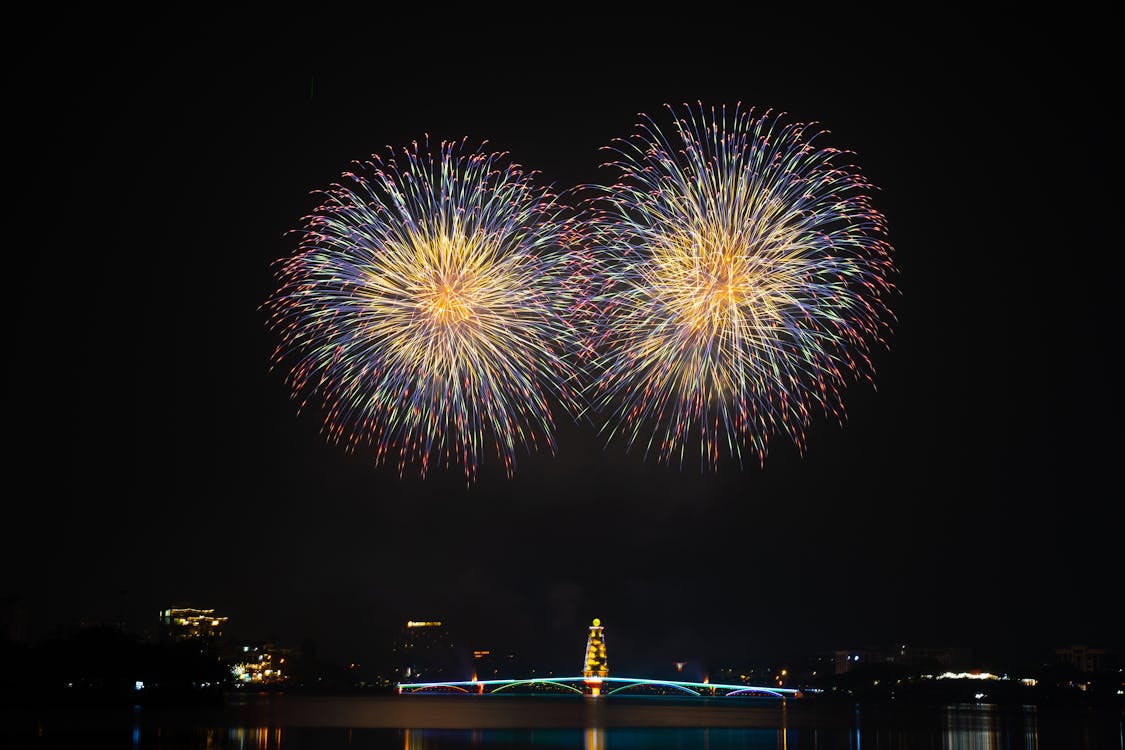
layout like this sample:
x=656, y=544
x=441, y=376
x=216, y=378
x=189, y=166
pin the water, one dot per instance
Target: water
x=269, y=722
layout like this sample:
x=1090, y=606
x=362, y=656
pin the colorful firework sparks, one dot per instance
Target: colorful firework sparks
x=746, y=281
x=431, y=307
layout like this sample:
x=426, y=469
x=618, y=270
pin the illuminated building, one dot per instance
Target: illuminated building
x=185, y=623
x=596, y=664
x=424, y=648
x=261, y=665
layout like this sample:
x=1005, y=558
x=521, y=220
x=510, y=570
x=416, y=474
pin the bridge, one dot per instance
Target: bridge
x=597, y=686
x=595, y=681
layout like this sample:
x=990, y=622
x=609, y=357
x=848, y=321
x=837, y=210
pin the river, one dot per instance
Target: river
x=298, y=722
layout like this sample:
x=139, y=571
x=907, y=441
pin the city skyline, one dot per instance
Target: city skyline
x=964, y=501
x=422, y=651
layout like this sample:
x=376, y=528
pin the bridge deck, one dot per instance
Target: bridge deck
x=598, y=685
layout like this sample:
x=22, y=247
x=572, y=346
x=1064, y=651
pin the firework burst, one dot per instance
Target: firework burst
x=429, y=307
x=746, y=282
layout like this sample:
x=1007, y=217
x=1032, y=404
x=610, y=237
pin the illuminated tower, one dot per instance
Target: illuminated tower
x=596, y=664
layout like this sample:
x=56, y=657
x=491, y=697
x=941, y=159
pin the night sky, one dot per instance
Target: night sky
x=157, y=162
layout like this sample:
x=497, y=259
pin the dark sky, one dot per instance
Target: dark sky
x=157, y=162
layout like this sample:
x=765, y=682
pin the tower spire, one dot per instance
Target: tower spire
x=596, y=663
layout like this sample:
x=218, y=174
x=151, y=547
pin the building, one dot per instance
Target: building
x=491, y=664
x=186, y=623
x=1082, y=658
x=424, y=649
x=13, y=620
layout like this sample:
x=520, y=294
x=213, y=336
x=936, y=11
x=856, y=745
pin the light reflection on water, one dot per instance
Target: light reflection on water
x=597, y=738
x=297, y=723
x=971, y=729
x=986, y=726
x=256, y=738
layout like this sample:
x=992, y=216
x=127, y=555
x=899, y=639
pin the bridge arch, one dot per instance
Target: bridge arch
x=755, y=691
x=438, y=688
x=647, y=683
x=516, y=683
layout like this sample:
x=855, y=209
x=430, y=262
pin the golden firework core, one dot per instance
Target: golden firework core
x=451, y=284
x=724, y=286
x=449, y=304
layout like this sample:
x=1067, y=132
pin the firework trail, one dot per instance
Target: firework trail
x=431, y=306
x=746, y=278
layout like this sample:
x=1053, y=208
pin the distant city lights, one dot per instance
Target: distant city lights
x=266, y=669
x=184, y=623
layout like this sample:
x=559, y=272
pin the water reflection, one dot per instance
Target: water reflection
x=255, y=738
x=591, y=738
x=973, y=727
x=329, y=724
x=594, y=738
x=985, y=727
